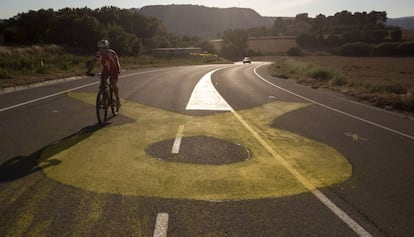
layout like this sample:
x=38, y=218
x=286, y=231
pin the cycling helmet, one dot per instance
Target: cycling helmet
x=103, y=44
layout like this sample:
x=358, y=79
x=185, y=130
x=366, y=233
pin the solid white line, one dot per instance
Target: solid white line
x=161, y=225
x=333, y=109
x=76, y=88
x=303, y=180
x=46, y=97
x=177, y=142
x=341, y=214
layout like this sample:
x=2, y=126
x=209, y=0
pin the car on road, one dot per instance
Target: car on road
x=247, y=60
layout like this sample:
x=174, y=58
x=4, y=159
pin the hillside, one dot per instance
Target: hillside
x=204, y=21
x=405, y=23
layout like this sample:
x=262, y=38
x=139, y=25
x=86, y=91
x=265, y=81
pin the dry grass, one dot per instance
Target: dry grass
x=387, y=82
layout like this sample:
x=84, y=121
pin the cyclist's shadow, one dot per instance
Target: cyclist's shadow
x=21, y=166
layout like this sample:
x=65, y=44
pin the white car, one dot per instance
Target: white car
x=247, y=60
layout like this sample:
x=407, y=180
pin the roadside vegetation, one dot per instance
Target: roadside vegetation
x=47, y=44
x=31, y=64
x=386, y=82
x=353, y=53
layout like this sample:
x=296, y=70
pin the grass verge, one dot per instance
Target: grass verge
x=27, y=65
x=384, y=82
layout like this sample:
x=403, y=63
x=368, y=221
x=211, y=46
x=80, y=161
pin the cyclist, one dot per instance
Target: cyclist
x=110, y=66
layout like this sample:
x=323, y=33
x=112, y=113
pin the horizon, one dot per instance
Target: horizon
x=265, y=8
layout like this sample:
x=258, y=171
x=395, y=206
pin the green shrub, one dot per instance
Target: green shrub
x=398, y=89
x=4, y=74
x=394, y=88
x=320, y=74
x=339, y=80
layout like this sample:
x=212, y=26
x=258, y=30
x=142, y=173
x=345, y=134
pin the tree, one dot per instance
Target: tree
x=344, y=18
x=122, y=41
x=279, y=26
x=346, y=27
x=88, y=32
x=302, y=17
x=396, y=33
x=32, y=26
x=128, y=30
x=206, y=46
x=234, y=44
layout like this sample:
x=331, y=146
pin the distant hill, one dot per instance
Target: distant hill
x=205, y=21
x=405, y=23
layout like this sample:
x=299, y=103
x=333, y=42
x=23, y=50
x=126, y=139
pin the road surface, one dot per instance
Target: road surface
x=213, y=150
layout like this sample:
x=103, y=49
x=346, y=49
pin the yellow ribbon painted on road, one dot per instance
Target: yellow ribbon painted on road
x=113, y=159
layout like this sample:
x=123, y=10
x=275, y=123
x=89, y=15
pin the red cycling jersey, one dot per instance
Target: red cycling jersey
x=110, y=61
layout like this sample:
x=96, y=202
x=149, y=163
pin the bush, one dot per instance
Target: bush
x=320, y=74
x=4, y=74
x=387, y=49
x=339, y=80
x=357, y=49
x=295, y=51
x=407, y=48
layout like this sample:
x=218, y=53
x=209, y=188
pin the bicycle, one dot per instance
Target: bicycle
x=104, y=100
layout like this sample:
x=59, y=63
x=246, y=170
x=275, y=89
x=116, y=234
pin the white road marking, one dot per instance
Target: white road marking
x=355, y=137
x=73, y=89
x=46, y=97
x=177, y=142
x=341, y=214
x=333, y=109
x=206, y=97
x=304, y=181
x=161, y=225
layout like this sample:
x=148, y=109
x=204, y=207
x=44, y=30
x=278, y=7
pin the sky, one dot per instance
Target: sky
x=394, y=8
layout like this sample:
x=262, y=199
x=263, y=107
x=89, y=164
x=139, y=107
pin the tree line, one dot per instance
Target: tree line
x=132, y=33
x=129, y=32
x=358, y=33
x=346, y=27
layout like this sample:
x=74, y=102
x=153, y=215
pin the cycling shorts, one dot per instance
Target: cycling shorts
x=113, y=77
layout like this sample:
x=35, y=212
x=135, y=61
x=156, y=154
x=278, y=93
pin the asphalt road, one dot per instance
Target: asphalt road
x=61, y=174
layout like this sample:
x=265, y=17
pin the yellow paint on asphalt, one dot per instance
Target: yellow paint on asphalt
x=25, y=215
x=113, y=159
x=89, y=212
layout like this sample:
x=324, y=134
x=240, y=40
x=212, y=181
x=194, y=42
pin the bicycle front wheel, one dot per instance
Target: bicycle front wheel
x=102, y=103
x=114, y=106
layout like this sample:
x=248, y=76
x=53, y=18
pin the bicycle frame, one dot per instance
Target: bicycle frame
x=104, y=100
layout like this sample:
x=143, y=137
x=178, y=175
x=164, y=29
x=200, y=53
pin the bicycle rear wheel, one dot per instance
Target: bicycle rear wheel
x=102, y=103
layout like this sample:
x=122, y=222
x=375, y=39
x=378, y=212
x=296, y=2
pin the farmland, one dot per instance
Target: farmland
x=386, y=82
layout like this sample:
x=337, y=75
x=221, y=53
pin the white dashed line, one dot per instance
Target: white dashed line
x=161, y=225
x=177, y=142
